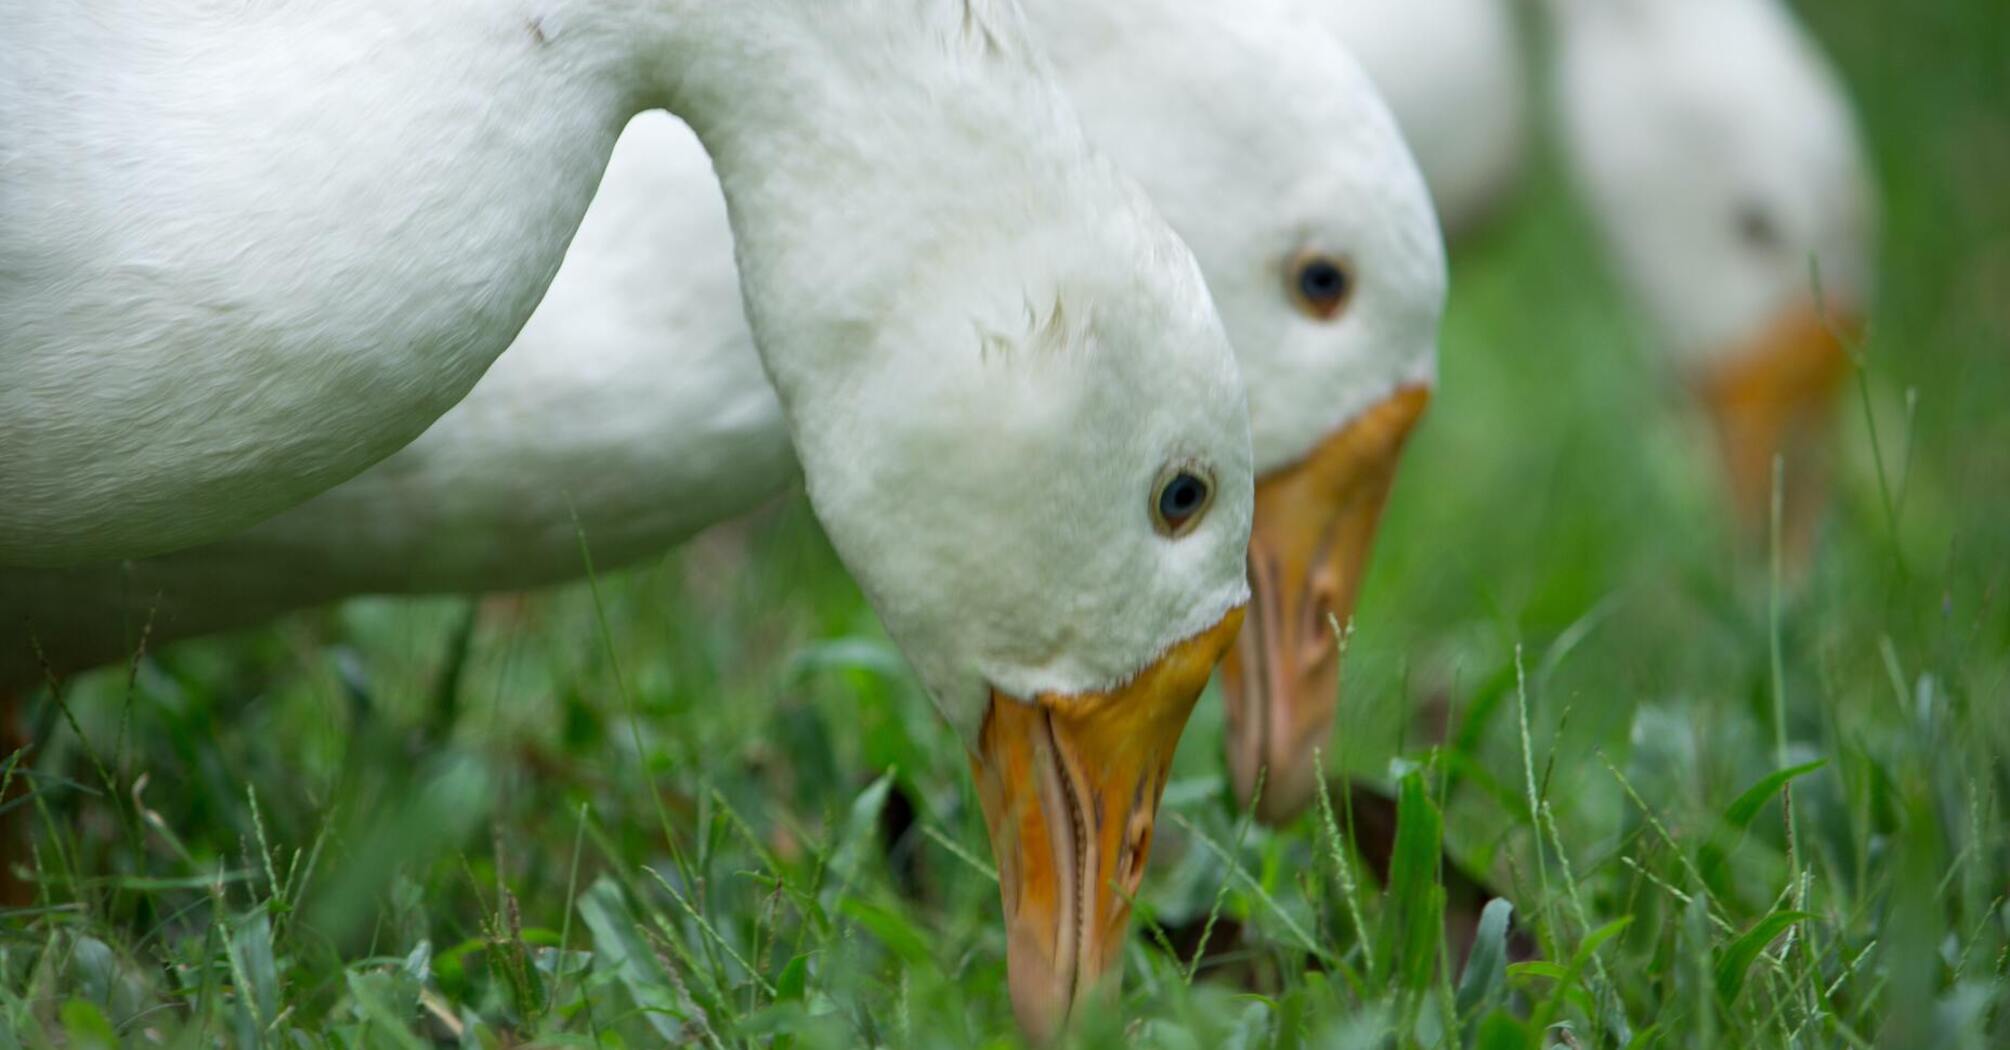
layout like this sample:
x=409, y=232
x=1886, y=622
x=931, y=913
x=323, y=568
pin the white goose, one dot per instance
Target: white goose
x=634, y=395
x=248, y=250
x=1720, y=158
x=1453, y=72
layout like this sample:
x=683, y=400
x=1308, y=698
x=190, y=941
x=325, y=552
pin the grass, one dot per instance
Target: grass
x=703, y=802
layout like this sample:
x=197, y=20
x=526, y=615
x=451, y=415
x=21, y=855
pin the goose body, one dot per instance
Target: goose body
x=233, y=271
x=995, y=363
x=634, y=399
x=249, y=251
x=1452, y=71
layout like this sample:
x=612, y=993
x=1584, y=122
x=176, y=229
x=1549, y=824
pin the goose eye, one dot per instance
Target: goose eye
x=1180, y=498
x=1320, y=285
x=1757, y=228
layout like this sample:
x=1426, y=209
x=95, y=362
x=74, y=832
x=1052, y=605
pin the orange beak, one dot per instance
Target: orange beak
x=1308, y=550
x=1776, y=396
x=1070, y=787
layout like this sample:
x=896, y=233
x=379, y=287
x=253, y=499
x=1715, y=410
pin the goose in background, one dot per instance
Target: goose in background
x=1719, y=156
x=1453, y=72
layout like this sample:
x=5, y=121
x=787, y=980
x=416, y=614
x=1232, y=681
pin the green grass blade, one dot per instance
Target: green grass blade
x=1742, y=812
x=1735, y=960
x=1485, y=977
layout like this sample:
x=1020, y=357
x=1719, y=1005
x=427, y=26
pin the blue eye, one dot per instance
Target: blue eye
x=1182, y=495
x=1320, y=285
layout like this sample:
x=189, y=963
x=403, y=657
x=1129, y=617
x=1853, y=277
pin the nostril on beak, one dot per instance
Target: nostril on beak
x=1137, y=842
x=1137, y=846
x=1322, y=601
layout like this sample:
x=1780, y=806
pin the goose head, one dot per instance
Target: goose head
x=1048, y=509
x=1024, y=430
x=1719, y=159
x=1272, y=154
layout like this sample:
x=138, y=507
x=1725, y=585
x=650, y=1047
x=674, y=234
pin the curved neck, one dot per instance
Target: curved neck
x=865, y=148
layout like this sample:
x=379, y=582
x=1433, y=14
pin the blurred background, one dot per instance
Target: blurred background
x=702, y=800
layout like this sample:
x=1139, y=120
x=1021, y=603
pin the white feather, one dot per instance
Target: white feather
x=1453, y=72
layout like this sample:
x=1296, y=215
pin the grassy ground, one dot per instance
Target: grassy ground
x=707, y=804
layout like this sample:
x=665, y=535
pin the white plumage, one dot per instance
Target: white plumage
x=634, y=399
x=248, y=251
x=256, y=278
x=1453, y=72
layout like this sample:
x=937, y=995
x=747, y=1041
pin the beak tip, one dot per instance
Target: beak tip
x=1039, y=997
x=1292, y=796
x=1044, y=999
x=1288, y=789
x=1070, y=788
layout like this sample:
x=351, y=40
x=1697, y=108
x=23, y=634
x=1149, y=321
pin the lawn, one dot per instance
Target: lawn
x=1733, y=802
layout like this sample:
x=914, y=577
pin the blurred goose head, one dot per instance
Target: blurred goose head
x=1719, y=157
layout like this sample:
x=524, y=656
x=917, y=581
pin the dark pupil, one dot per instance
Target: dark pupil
x=1322, y=280
x=1757, y=228
x=1182, y=496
